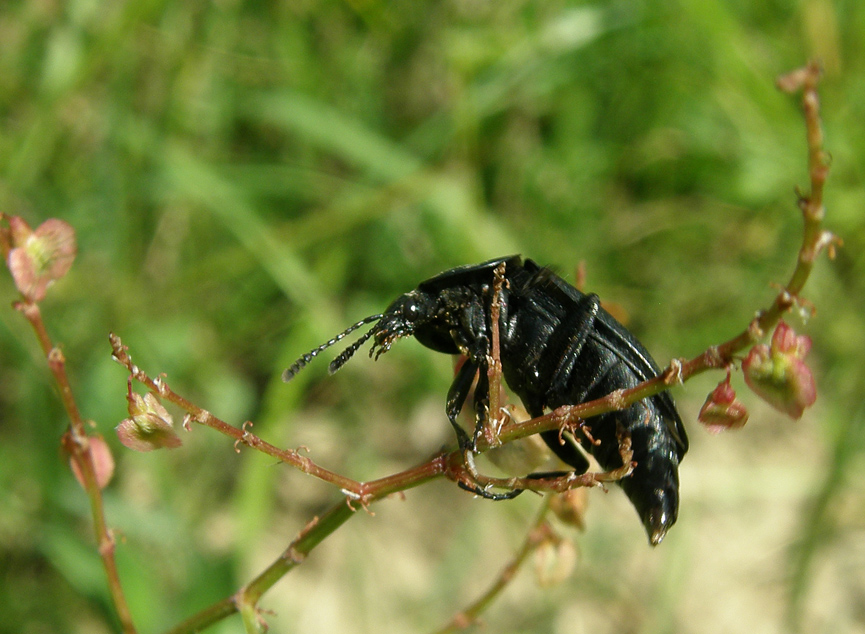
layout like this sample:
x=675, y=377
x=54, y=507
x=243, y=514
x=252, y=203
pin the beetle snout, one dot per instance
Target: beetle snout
x=388, y=331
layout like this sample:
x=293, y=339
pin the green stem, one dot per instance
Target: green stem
x=534, y=537
x=312, y=535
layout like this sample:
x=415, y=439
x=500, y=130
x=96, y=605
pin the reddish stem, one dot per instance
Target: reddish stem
x=77, y=444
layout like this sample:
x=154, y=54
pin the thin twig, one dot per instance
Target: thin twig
x=241, y=435
x=494, y=361
x=76, y=442
x=534, y=537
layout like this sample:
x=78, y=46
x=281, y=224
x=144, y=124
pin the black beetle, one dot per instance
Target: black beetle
x=558, y=346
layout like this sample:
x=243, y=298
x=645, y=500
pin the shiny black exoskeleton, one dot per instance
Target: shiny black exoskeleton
x=557, y=347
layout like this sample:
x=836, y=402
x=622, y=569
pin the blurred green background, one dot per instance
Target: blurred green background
x=248, y=178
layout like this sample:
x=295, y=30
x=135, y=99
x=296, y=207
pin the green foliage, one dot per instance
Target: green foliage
x=248, y=178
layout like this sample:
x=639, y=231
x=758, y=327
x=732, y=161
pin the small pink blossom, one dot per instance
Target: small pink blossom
x=722, y=410
x=39, y=258
x=149, y=426
x=778, y=373
x=103, y=462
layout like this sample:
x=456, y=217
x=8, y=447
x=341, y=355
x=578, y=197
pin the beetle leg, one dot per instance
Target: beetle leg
x=480, y=491
x=472, y=340
x=456, y=399
x=482, y=407
x=577, y=329
x=457, y=394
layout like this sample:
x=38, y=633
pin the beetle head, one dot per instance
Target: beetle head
x=401, y=319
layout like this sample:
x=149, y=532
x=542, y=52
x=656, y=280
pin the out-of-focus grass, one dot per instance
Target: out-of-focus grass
x=248, y=178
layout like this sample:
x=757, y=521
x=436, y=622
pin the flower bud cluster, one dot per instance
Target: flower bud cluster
x=777, y=373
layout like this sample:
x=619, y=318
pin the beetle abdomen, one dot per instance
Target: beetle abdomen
x=563, y=349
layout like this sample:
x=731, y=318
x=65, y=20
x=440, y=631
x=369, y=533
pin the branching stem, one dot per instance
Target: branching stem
x=454, y=464
x=814, y=240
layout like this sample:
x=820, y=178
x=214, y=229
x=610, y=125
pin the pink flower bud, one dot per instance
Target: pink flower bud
x=786, y=341
x=778, y=374
x=149, y=427
x=722, y=410
x=103, y=462
x=39, y=258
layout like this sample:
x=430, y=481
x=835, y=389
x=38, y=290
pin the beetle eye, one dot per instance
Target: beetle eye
x=410, y=310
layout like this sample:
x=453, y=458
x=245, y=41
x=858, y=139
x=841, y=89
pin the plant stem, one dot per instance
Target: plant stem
x=319, y=528
x=469, y=616
x=814, y=240
x=241, y=435
x=77, y=444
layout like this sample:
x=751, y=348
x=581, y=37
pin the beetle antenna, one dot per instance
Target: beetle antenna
x=346, y=354
x=298, y=365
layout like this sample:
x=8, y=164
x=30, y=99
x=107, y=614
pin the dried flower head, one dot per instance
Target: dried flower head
x=570, y=506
